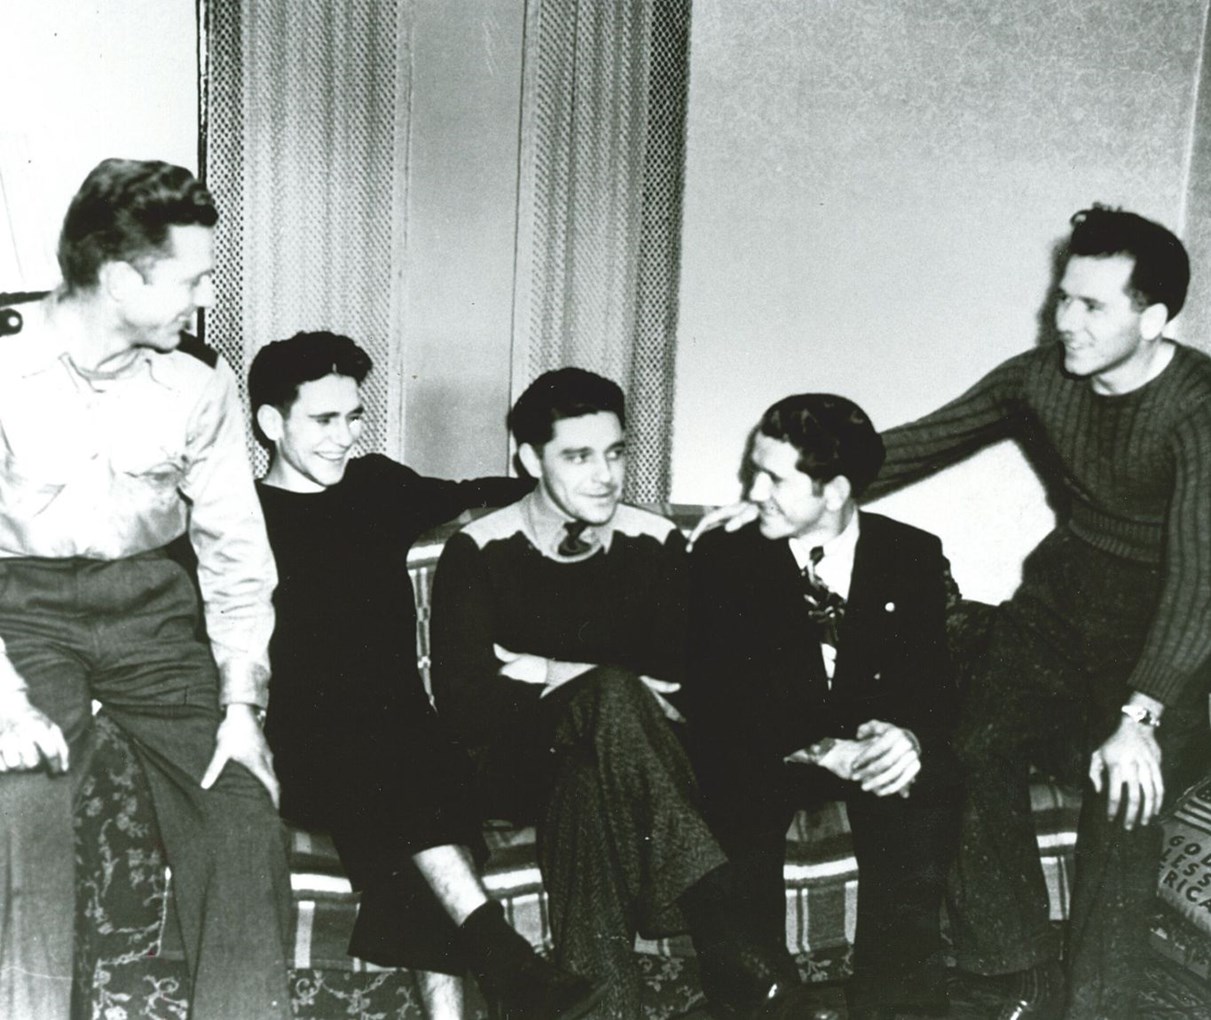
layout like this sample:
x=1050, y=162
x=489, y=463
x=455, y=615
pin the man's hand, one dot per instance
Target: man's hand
x=529, y=669
x=731, y=517
x=239, y=739
x=889, y=761
x=1129, y=760
x=29, y=738
x=833, y=753
x=659, y=689
x=538, y=669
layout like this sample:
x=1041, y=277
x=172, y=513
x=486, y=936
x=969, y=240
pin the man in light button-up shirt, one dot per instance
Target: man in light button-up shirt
x=113, y=444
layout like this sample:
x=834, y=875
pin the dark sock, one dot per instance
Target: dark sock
x=710, y=909
x=495, y=952
x=737, y=966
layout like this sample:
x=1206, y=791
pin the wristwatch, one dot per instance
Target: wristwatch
x=1143, y=716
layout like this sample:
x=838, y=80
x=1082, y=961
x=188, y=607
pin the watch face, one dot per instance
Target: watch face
x=1140, y=714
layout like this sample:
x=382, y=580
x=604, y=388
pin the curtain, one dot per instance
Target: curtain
x=599, y=218
x=304, y=153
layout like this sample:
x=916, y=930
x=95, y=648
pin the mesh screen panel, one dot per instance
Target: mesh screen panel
x=600, y=216
x=301, y=120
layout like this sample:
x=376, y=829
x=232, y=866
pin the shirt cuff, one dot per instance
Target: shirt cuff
x=243, y=683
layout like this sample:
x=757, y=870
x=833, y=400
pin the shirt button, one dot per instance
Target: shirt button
x=889, y=607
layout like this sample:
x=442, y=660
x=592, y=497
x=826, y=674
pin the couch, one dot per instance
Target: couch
x=129, y=962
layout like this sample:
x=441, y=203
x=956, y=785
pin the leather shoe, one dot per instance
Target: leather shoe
x=793, y=1002
x=1038, y=994
x=920, y=990
x=748, y=980
x=539, y=990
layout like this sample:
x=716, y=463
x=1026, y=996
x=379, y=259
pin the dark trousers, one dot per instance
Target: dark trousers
x=125, y=633
x=620, y=834
x=1060, y=655
x=402, y=787
x=903, y=846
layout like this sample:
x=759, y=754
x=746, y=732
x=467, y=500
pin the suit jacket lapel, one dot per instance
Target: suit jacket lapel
x=865, y=584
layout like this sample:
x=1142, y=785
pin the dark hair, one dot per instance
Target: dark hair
x=562, y=393
x=281, y=367
x=122, y=213
x=833, y=436
x=1161, y=274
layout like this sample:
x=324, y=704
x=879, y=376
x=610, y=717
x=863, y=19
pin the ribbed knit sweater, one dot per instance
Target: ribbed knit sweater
x=1130, y=474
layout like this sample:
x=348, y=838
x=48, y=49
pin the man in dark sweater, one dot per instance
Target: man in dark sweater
x=819, y=670
x=1111, y=627
x=558, y=640
x=357, y=746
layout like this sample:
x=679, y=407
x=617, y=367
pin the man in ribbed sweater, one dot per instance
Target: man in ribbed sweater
x=558, y=644
x=1110, y=629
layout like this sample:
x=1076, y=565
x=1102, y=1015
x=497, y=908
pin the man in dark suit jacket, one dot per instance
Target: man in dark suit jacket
x=819, y=670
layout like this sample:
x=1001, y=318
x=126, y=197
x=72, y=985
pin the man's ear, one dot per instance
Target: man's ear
x=530, y=460
x=1153, y=319
x=271, y=422
x=118, y=280
x=837, y=492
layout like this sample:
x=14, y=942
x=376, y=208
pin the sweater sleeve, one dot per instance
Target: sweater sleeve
x=1179, y=640
x=428, y=502
x=983, y=415
x=467, y=687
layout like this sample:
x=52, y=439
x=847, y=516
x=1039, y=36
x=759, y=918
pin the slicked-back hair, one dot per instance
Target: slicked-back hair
x=562, y=393
x=1161, y=273
x=833, y=436
x=281, y=367
x=122, y=213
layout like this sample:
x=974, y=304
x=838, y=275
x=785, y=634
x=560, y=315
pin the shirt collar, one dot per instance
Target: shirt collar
x=837, y=566
x=48, y=346
x=544, y=527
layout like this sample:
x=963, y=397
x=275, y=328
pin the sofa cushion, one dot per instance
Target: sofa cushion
x=821, y=877
x=125, y=905
x=1185, y=880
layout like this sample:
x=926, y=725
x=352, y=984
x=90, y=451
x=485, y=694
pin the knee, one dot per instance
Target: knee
x=616, y=687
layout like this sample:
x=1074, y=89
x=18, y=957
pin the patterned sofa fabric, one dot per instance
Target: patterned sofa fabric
x=128, y=961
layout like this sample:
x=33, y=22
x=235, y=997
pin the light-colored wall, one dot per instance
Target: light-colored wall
x=461, y=231
x=79, y=82
x=872, y=193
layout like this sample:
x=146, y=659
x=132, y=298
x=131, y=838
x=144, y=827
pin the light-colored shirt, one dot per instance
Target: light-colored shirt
x=835, y=570
x=545, y=527
x=108, y=465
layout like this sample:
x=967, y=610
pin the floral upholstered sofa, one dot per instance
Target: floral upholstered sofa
x=129, y=961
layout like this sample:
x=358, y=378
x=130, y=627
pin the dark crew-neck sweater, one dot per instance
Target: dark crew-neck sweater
x=343, y=652
x=624, y=606
x=1129, y=474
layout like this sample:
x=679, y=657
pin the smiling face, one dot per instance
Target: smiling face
x=1107, y=337
x=791, y=503
x=160, y=296
x=313, y=441
x=581, y=467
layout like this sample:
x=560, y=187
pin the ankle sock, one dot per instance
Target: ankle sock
x=495, y=953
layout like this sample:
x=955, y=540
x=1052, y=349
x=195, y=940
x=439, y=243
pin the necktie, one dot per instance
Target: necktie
x=574, y=542
x=824, y=606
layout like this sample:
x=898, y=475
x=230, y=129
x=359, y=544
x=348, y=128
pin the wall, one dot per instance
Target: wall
x=79, y=82
x=872, y=193
x=461, y=232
